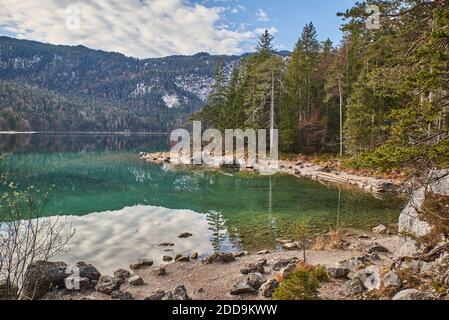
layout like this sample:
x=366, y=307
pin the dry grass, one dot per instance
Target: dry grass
x=320, y=243
x=436, y=212
x=335, y=238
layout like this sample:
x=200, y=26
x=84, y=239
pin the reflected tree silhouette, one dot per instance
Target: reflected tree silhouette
x=217, y=224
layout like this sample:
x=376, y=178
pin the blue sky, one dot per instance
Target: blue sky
x=154, y=28
x=289, y=17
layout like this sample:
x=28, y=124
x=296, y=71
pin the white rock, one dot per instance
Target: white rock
x=380, y=229
x=412, y=294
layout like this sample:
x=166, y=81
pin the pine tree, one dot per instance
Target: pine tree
x=264, y=47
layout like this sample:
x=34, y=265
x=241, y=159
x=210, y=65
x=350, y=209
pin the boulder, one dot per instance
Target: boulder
x=263, y=252
x=156, y=296
x=142, y=263
x=159, y=271
x=290, y=246
x=282, y=263
x=183, y=259
x=288, y=270
x=107, y=284
x=377, y=248
x=194, y=256
x=339, y=273
x=167, y=259
x=355, y=263
x=41, y=277
x=178, y=256
x=412, y=294
x=185, y=235
x=253, y=268
x=86, y=271
x=242, y=288
x=380, y=229
x=391, y=280
x=268, y=288
x=180, y=293
x=219, y=258
x=77, y=283
x=136, y=281
x=119, y=295
x=256, y=280
x=353, y=287
x=122, y=274
x=370, y=277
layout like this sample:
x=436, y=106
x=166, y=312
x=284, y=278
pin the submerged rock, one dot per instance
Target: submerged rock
x=185, y=235
x=194, y=256
x=142, y=263
x=183, y=259
x=167, y=259
x=166, y=244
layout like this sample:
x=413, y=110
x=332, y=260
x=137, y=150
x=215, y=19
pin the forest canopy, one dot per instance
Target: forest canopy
x=379, y=97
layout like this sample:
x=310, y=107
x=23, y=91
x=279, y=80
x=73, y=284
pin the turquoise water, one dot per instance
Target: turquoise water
x=108, y=193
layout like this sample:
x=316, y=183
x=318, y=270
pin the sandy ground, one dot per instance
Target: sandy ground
x=214, y=282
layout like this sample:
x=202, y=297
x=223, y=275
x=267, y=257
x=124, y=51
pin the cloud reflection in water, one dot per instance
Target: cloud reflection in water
x=114, y=239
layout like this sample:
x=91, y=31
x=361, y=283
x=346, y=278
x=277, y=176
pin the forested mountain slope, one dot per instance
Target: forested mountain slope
x=63, y=88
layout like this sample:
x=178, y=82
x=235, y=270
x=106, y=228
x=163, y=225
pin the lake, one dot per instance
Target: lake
x=122, y=208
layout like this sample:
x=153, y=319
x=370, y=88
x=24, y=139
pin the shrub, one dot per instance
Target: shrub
x=302, y=284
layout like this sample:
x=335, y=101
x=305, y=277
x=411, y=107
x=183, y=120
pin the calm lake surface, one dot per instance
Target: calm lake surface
x=123, y=208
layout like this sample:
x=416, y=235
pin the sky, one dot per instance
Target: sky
x=157, y=28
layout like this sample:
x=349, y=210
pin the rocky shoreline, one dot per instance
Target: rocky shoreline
x=295, y=168
x=359, y=267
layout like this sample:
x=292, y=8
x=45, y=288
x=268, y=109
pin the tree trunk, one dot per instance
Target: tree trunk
x=340, y=91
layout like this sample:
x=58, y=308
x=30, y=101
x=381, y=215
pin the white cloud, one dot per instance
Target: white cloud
x=271, y=30
x=140, y=28
x=262, y=15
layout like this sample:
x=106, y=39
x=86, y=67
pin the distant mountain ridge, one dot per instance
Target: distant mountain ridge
x=45, y=87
